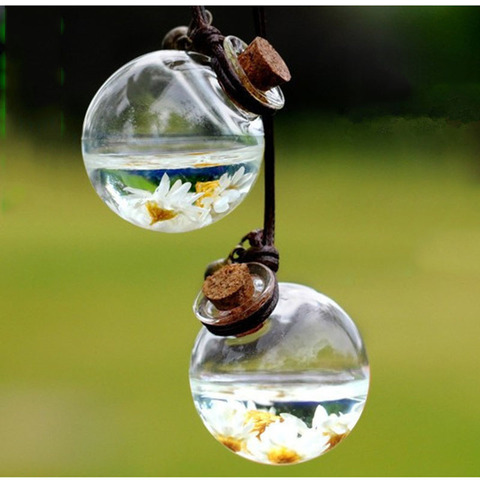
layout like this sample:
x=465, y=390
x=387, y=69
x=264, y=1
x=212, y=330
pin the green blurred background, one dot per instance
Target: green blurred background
x=378, y=194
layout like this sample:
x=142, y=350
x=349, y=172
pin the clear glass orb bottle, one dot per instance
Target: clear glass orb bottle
x=166, y=148
x=288, y=391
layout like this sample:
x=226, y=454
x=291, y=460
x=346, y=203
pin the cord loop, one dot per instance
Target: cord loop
x=258, y=251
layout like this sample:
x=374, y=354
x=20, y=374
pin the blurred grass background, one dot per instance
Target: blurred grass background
x=377, y=207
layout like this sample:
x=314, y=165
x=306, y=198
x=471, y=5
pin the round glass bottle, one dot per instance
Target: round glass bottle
x=165, y=147
x=288, y=391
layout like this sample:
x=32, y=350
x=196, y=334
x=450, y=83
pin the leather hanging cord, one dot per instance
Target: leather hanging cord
x=269, y=214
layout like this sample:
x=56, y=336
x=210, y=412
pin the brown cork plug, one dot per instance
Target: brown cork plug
x=263, y=66
x=229, y=287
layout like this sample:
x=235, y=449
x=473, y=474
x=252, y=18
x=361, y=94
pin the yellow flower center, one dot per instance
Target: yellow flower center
x=158, y=214
x=283, y=455
x=208, y=190
x=261, y=420
x=232, y=443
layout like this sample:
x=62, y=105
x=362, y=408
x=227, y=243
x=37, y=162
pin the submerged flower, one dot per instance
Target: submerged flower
x=287, y=440
x=226, y=422
x=221, y=194
x=167, y=208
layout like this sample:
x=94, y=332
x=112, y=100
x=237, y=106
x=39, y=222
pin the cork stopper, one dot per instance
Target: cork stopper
x=263, y=66
x=229, y=287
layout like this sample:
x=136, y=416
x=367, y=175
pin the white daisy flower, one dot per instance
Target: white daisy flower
x=222, y=194
x=167, y=209
x=287, y=441
x=226, y=421
x=334, y=426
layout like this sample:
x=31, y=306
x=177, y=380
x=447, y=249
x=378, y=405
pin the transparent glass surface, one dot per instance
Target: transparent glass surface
x=288, y=392
x=165, y=148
